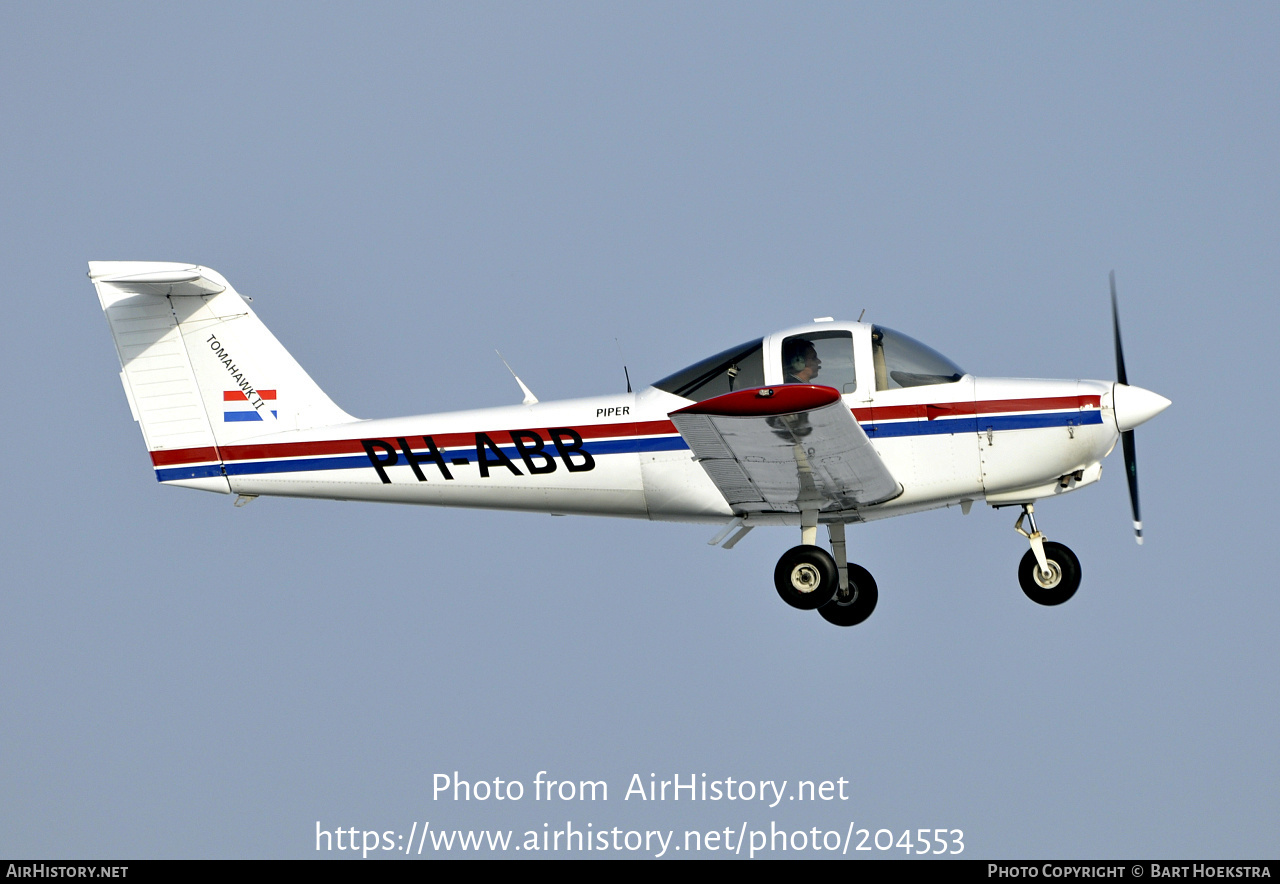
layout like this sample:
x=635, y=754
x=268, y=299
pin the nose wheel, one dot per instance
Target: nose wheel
x=1062, y=580
x=1049, y=572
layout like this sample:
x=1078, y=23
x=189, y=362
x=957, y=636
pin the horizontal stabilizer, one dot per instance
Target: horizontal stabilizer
x=174, y=280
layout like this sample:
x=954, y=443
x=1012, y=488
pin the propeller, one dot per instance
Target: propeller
x=1132, y=406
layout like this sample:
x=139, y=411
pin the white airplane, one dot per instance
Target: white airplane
x=829, y=423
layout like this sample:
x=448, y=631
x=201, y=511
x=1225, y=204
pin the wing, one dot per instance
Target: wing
x=786, y=449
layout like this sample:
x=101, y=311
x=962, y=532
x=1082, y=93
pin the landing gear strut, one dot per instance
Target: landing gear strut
x=1050, y=572
x=807, y=577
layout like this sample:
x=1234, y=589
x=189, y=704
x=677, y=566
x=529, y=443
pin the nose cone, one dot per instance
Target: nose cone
x=1134, y=406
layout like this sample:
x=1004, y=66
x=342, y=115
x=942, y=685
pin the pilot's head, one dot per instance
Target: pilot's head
x=800, y=360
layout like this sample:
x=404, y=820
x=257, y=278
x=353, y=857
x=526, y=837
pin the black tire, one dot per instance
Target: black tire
x=806, y=577
x=863, y=597
x=1066, y=576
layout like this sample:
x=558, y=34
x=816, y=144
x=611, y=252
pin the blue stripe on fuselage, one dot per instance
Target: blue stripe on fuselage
x=355, y=461
x=204, y=471
x=982, y=423
x=941, y=426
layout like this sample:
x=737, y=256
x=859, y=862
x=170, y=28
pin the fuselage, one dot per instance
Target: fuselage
x=1001, y=440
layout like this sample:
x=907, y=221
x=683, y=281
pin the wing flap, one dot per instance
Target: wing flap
x=785, y=449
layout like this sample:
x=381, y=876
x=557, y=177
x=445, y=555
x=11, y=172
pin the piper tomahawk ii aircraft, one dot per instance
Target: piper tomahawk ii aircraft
x=829, y=423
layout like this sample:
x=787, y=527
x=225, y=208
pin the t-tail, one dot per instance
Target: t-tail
x=200, y=370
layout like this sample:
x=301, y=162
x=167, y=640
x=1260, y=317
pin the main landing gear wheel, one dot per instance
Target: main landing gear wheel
x=806, y=577
x=1063, y=579
x=861, y=601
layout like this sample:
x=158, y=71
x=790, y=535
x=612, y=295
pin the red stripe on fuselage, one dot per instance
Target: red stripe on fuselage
x=935, y=410
x=180, y=456
x=442, y=440
x=925, y=411
x=239, y=396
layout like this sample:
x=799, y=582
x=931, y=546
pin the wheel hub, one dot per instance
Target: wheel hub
x=1052, y=579
x=805, y=577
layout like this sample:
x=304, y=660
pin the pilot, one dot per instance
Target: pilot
x=800, y=361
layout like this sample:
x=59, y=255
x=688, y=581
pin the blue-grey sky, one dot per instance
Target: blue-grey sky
x=404, y=187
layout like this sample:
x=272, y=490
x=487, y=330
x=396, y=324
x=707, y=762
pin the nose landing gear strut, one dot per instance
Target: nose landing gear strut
x=1050, y=572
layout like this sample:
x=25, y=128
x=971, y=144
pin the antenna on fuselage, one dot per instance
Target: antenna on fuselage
x=625, y=373
x=862, y=314
x=529, y=398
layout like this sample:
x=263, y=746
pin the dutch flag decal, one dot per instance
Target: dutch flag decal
x=236, y=407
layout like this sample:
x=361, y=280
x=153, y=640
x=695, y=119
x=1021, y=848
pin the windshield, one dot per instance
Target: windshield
x=902, y=361
x=738, y=368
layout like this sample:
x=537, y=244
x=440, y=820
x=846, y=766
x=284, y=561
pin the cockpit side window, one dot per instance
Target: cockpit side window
x=824, y=358
x=738, y=368
x=902, y=361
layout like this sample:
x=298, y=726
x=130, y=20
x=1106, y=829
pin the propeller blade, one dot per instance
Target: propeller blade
x=1131, y=470
x=1121, y=375
x=1126, y=438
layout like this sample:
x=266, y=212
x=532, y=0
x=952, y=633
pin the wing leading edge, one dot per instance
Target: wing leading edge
x=786, y=449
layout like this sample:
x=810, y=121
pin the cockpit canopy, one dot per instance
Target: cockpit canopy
x=829, y=355
x=902, y=361
x=738, y=368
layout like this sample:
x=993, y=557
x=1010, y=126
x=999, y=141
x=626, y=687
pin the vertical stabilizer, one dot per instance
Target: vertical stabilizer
x=200, y=369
